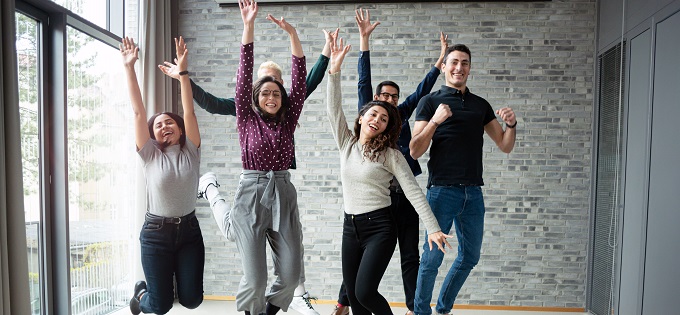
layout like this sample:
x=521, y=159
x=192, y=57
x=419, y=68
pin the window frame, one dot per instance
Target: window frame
x=55, y=293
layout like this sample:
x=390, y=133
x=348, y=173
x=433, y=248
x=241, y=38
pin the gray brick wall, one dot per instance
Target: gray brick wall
x=536, y=57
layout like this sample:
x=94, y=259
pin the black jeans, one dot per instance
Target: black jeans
x=408, y=234
x=172, y=246
x=368, y=242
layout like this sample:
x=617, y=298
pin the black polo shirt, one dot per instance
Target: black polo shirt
x=456, y=151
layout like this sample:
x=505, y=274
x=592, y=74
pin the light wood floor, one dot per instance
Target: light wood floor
x=325, y=308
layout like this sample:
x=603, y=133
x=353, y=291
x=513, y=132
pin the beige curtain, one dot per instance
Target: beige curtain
x=14, y=292
x=155, y=46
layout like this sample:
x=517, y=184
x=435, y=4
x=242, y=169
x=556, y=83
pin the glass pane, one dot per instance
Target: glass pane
x=94, y=11
x=27, y=66
x=101, y=171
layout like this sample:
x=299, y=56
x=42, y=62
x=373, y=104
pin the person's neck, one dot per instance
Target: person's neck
x=362, y=139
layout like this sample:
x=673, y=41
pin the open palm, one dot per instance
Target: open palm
x=282, y=23
x=338, y=52
x=363, y=19
x=129, y=51
x=182, y=53
x=248, y=10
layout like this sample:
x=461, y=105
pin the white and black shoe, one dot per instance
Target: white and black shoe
x=204, y=182
x=302, y=304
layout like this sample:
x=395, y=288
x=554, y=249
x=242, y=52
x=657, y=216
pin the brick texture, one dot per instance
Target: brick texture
x=536, y=57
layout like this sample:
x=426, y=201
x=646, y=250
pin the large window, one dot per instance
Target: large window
x=107, y=14
x=77, y=132
x=29, y=109
x=100, y=153
x=92, y=10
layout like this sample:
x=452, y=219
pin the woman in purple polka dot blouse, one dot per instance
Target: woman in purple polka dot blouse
x=265, y=204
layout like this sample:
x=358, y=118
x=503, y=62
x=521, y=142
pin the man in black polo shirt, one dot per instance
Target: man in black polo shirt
x=455, y=120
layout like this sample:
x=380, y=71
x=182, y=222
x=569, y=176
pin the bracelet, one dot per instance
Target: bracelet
x=434, y=122
x=185, y=72
x=513, y=126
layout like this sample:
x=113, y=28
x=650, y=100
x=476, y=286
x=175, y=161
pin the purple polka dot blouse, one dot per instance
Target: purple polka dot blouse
x=267, y=145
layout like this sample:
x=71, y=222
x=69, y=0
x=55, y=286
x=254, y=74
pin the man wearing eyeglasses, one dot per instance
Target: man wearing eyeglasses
x=406, y=218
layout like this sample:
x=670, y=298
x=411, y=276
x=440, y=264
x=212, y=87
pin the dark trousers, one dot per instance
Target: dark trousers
x=408, y=234
x=368, y=242
x=172, y=247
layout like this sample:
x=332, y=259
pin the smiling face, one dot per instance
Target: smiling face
x=373, y=122
x=388, y=94
x=166, y=130
x=457, y=69
x=269, y=98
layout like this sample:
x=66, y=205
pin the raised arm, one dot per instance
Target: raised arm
x=190, y=121
x=295, y=45
x=248, y=15
x=130, y=54
x=244, y=75
x=365, y=88
x=329, y=36
x=338, y=52
x=211, y=103
x=341, y=132
x=363, y=18
x=444, y=41
x=316, y=74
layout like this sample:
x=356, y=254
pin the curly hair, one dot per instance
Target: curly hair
x=178, y=120
x=374, y=147
x=285, y=101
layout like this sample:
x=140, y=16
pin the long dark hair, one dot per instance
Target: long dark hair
x=180, y=122
x=285, y=101
x=387, y=139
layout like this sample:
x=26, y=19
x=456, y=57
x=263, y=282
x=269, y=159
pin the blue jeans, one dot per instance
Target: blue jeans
x=462, y=206
x=172, y=249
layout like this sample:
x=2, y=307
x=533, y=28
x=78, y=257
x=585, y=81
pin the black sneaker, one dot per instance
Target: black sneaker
x=140, y=288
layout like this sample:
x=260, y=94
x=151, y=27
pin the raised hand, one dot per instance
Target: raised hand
x=182, y=52
x=364, y=23
x=331, y=36
x=282, y=23
x=170, y=69
x=248, y=11
x=444, y=42
x=507, y=115
x=129, y=51
x=338, y=52
x=443, y=39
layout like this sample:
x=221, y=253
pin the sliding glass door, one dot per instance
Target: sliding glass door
x=31, y=115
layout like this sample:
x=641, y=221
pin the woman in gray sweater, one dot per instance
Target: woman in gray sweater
x=369, y=159
x=171, y=241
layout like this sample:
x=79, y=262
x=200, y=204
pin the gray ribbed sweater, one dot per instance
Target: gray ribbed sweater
x=365, y=184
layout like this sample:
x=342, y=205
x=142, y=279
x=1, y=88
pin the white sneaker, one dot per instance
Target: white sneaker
x=302, y=305
x=204, y=182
